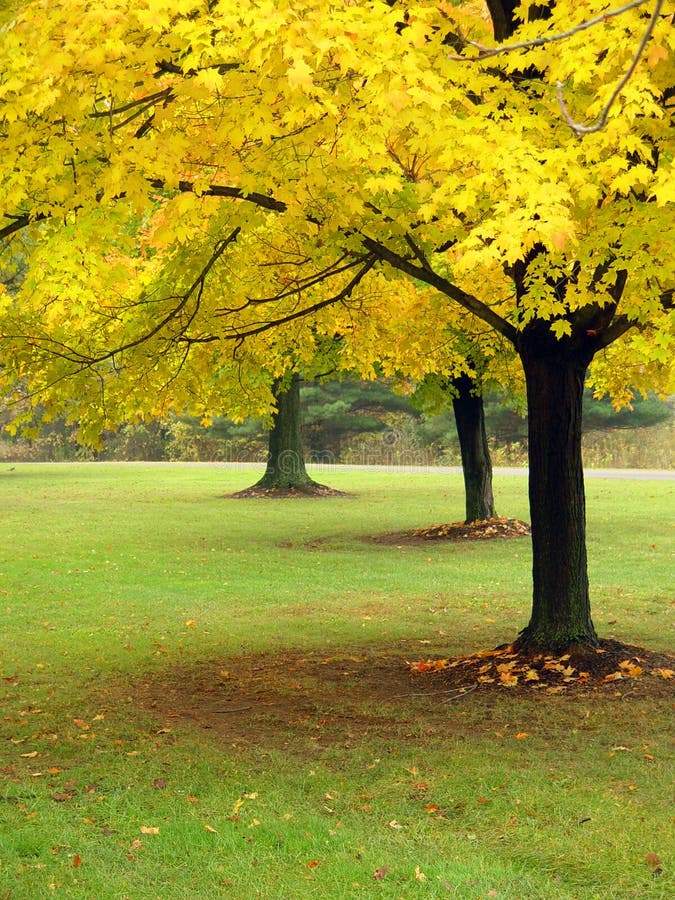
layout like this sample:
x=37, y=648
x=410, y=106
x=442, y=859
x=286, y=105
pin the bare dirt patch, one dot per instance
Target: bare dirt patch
x=309, y=701
x=274, y=700
x=489, y=529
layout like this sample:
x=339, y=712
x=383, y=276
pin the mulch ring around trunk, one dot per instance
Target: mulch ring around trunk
x=273, y=493
x=489, y=529
x=611, y=666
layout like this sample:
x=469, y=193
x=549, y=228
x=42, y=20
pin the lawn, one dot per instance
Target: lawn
x=207, y=697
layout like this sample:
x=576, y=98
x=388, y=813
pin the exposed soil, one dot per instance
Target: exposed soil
x=489, y=529
x=310, y=490
x=272, y=700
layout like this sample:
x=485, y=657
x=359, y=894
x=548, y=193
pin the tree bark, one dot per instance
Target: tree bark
x=285, y=459
x=476, y=462
x=554, y=373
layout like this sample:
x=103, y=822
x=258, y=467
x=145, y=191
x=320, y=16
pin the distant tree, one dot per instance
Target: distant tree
x=286, y=470
x=379, y=143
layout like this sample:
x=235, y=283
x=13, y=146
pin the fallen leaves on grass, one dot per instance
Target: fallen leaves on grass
x=488, y=529
x=507, y=667
x=498, y=527
x=654, y=863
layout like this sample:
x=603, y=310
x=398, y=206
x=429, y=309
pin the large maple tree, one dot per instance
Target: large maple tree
x=203, y=183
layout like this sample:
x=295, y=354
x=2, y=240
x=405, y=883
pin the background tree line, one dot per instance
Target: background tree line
x=365, y=422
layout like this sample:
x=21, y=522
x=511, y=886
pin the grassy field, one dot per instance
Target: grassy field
x=206, y=697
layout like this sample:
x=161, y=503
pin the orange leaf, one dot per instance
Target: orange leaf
x=655, y=55
x=522, y=735
x=76, y=861
x=630, y=669
x=312, y=864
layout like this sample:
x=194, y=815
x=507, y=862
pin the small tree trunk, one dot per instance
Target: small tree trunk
x=561, y=612
x=285, y=458
x=476, y=462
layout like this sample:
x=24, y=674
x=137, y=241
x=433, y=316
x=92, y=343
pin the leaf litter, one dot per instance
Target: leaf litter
x=596, y=668
x=499, y=527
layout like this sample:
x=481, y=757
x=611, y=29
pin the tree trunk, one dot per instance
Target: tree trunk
x=476, y=462
x=285, y=459
x=554, y=375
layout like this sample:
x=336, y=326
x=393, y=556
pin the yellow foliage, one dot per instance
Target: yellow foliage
x=197, y=172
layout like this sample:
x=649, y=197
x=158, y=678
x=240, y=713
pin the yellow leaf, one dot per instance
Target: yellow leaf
x=300, y=74
x=664, y=673
x=149, y=829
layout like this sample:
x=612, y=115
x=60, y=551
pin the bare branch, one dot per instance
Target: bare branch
x=239, y=334
x=601, y=121
x=299, y=285
x=266, y=201
x=165, y=94
x=424, y=262
x=18, y=222
x=487, y=52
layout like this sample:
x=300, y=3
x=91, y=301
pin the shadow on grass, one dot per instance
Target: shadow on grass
x=303, y=701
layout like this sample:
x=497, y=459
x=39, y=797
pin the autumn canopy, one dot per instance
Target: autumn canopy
x=201, y=194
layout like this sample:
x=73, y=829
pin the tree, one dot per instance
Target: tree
x=286, y=456
x=464, y=392
x=302, y=165
x=467, y=405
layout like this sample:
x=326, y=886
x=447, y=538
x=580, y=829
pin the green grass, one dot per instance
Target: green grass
x=113, y=577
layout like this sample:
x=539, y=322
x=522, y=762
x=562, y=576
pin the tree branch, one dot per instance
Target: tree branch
x=238, y=334
x=85, y=361
x=428, y=276
x=487, y=52
x=601, y=121
x=266, y=201
x=620, y=325
x=19, y=221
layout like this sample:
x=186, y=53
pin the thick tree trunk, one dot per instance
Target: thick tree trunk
x=476, y=462
x=285, y=459
x=554, y=374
